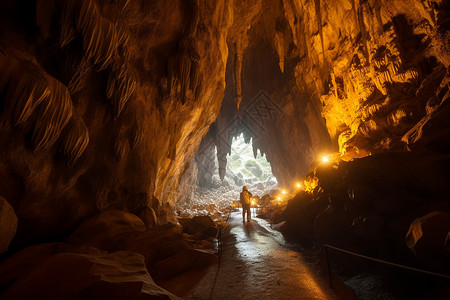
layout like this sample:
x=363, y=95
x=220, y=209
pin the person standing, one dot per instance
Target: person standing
x=245, y=199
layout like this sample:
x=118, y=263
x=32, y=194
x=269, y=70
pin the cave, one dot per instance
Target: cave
x=128, y=130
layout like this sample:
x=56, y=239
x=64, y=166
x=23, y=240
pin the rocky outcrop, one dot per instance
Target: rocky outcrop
x=8, y=224
x=60, y=272
x=110, y=255
x=110, y=230
x=427, y=236
x=201, y=227
x=371, y=204
x=114, y=230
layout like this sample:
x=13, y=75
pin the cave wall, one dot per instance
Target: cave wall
x=353, y=77
x=103, y=104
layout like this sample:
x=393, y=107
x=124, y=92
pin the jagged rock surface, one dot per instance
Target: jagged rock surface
x=84, y=273
x=357, y=76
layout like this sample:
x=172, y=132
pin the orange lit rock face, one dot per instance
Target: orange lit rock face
x=375, y=57
x=359, y=73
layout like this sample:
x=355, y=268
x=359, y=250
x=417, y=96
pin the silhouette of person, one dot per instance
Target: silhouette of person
x=245, y=199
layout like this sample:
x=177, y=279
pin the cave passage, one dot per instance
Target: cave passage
x=128, y=129
x=258, y=263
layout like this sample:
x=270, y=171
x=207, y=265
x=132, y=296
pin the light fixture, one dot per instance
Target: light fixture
x=325, y=159
x=284, y=191
x=299, y=185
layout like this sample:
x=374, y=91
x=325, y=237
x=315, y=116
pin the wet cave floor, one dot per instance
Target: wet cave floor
x=257, y=263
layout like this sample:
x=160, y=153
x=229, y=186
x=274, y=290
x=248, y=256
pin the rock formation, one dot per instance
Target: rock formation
x=112, y=108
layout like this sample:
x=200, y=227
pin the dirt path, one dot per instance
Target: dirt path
x=256, y=263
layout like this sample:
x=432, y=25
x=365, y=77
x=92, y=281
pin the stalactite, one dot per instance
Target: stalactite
x=79, y=76
x=280, y=48
x=121, y=147
x=119, y=88
x=185, y=71
x=138, y=136
x=195, y=79
x=195, y=18
x=75, y=139
x=24, y=90
x=222, y=165
x=247, y=136
x=102, y=40
x=319, y=25
x=30, y=91
x=239, y=49
x=67, y=29
x=366, y=128
x=54, y=114
x=172, y=67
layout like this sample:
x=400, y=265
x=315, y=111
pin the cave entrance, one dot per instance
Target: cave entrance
x=243, y=168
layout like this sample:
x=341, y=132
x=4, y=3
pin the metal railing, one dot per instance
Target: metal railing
x=218, y=236
x=326, y=246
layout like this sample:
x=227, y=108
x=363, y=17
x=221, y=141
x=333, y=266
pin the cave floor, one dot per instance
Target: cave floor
x=257, y=263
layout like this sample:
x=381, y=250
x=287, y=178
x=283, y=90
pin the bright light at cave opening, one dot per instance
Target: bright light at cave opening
x=242, y=169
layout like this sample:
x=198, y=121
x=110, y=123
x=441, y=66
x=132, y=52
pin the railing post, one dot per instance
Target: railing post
x=328, y=266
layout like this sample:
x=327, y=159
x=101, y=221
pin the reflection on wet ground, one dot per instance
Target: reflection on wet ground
x=257, y=263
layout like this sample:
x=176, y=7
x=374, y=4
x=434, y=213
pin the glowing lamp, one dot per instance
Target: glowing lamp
x=279, y=198
x=299, y=185
x=325, y=159
x=284, y=191
x=253, y=202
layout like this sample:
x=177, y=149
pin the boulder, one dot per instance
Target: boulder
x=183, y=261
x=201, y=227
x=8, y=224
x=110, y=230
x=427, y=237
x=119, y=275
x=301, y=212
x=23, y=262
x=158, y=243
x=276, y=215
